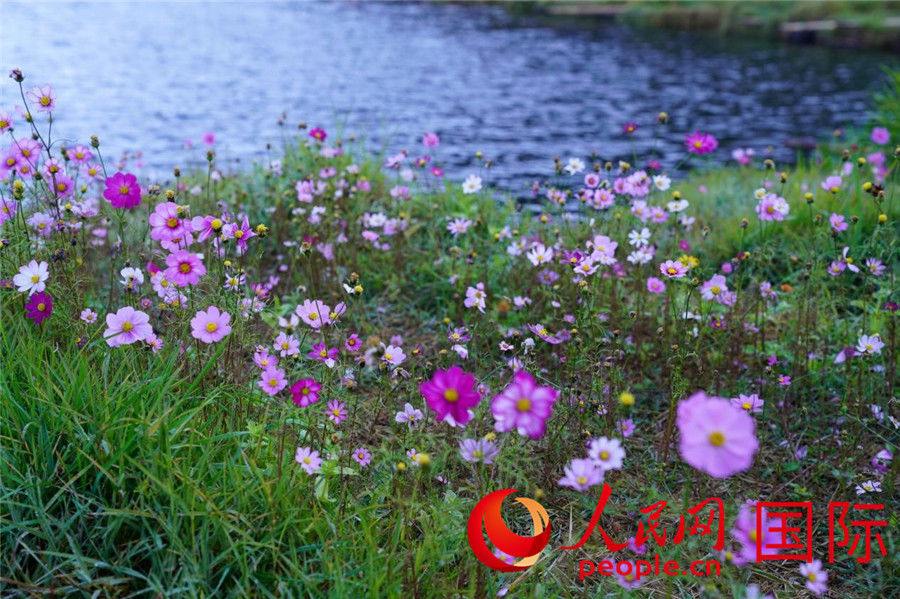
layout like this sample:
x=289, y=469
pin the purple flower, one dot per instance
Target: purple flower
x=39, y=307
x=481, y=450
x=122, y=191
x=523, y=405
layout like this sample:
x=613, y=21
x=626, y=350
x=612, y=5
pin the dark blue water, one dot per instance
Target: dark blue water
x=148, y=76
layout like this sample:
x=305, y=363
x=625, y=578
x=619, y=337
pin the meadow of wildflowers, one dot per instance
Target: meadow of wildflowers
x=299, y=380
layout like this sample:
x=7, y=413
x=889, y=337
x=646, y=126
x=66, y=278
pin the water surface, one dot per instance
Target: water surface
x=147, y=76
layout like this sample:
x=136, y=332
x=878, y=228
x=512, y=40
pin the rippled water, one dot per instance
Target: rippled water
x=148, y=76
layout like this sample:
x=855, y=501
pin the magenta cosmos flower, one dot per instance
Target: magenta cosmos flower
x=305, y=392
x=523, y=405
x=451, y=393
x=700, y=143
x=362, y=456
x=716, y=437
x=39, y=307
x=184, y=268
x=122, y=191
x=211, y=325
x=127, y=326
x=318, y=134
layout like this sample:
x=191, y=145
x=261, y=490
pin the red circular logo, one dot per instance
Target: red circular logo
x=486, y=513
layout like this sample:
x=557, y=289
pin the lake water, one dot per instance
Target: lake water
x=149, y=76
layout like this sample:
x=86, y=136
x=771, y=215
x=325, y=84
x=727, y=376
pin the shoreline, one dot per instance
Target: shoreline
x=857, y=26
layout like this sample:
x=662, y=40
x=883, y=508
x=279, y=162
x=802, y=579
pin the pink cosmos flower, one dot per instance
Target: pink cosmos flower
x=673, y=269
x=480, y=450
x=127, y=326
x=606, y=453
x=122, y=191
x=322, y=353
x=264, y=359
x=42, y=97
x=362, y=456
x=700, y=143
x=63, y=185
x=305, y=392
x=838, y=223
x=39, y=307
x=308, y=459
x=475, y=297
x=184, y=268
x=272, y=380
x=240, y=233
x=772, y=208
x=654, y=285
x=750, y=403
x=165, y=223
x=816, y=577
x=210, y=326
x=393, y=355
x=208, y=138
x=409, y=415
x=207, y=226
x=352, y=343
x=832, y=183
x=430, y=140
x=287, y=345
x=88, y=316
x=581, y=475
x=523, y=405
x=336, y=411
x=314, y=313
x=318, y=134
x=880, y=135
x=451, y=393
x=716, y=437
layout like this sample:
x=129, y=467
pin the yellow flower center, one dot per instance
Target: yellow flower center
x=216, y=224
x=752, y=535
x=477, y=453
x=273, y=382
x=184, y=267
x=127, y=326
x=124, y=190
x=451, y=395
x=304, y=391
x=324, y=354
x=313, y=316
x=671, y=270
x=212, y=327
x=604, y=455
x=238, y=233
x=45, y=100
x=285, y=345
x=172, y=223
x=746, y=405
x=717, y=439
x=715, y=289
x=41, y=307
x=35, y=278
x=581, y=480
x=811, y=576
x=523, y=405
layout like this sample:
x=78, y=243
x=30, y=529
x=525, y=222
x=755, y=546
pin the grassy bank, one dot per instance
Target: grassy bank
x=865, y=24
x=165, y=465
